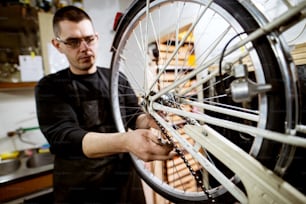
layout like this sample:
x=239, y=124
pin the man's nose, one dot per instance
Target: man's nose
x=83, y=44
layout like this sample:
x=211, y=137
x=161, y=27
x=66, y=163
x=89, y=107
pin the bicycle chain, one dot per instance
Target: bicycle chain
x=181, y=153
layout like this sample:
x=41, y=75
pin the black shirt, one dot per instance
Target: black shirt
x=69, y=106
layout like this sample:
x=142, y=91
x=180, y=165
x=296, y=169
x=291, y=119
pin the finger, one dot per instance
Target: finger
x=165, y=142
x=158, y=139
x=163, y=157
x=159, y=149
x=154, y=138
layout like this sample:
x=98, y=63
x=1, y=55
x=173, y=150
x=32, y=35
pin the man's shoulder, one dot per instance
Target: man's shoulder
x=60, y=76
x=107, y=72
x=104, y=73
x=103, y=70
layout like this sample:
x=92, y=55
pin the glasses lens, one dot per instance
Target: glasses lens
x=90, y=39
x=73, y=42
x=76, y=42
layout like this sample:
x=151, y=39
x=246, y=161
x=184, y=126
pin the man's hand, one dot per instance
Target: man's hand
x=148, y=146
x=145, y=143
x=145, y=121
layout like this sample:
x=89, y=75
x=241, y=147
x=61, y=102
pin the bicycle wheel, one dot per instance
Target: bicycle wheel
x=151, y=48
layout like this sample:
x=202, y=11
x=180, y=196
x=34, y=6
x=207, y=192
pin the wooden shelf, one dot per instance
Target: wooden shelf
x=25, y=187
x=18, y=85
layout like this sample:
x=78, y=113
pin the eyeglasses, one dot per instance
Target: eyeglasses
x=76, y=42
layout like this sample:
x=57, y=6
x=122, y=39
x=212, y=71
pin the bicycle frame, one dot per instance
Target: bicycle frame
x=262, y=185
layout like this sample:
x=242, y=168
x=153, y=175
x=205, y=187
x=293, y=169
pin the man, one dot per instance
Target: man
x=92, y=164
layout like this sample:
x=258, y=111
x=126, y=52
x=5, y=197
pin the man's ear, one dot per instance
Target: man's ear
x=56, y=44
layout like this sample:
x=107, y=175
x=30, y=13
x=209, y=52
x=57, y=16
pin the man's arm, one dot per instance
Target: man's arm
x=142, y=143
x=57, y=119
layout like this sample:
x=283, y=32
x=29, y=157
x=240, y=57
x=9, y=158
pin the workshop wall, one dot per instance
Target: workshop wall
x=17, y=107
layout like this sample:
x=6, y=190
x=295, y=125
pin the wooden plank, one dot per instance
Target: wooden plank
x=185, y=177
x=301, y=45
x=178, y=163
x=298, y=50
x=182, y=54
x=299, y=54
x=300, y=62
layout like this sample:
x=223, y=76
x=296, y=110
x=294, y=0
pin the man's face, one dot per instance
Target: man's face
x=79, y=42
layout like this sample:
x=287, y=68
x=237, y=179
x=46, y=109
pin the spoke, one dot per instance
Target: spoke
x=131, y=75
x=226, y=111
x=204, y=56
x=181, y=43
x=199, y=83
x=254, y=112
x=252, y=131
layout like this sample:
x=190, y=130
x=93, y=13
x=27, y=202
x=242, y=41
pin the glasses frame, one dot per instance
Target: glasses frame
x=87, y=39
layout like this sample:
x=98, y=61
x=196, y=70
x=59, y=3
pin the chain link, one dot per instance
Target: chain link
x=180, y=153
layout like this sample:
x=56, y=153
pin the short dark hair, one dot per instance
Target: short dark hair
x=70, y=13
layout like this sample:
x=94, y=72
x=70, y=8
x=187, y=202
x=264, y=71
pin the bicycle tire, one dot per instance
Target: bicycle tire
x=274, y=116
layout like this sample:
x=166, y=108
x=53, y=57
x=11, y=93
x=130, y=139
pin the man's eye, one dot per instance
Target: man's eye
x=72, y=42
x=89, y=39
